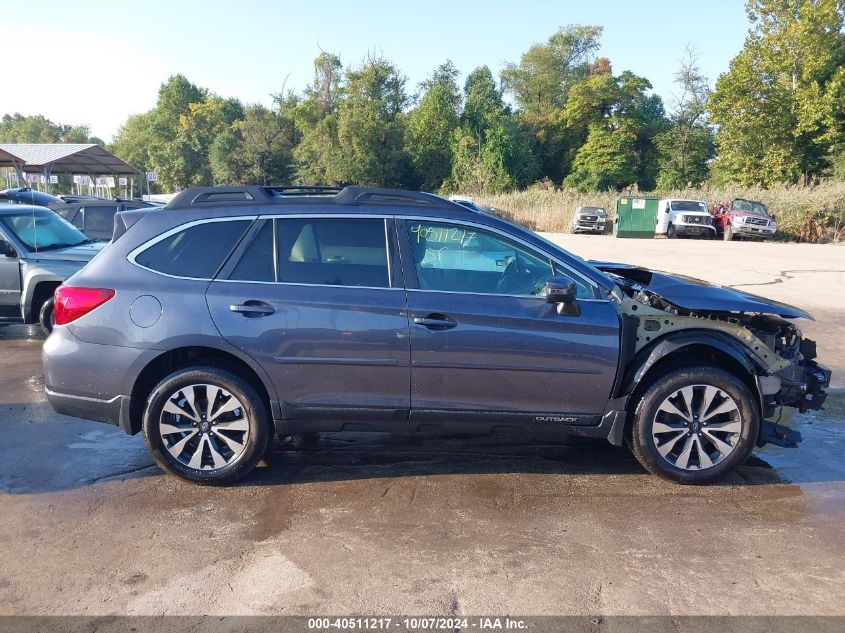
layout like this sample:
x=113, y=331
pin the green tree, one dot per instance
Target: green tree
x=430, y=127
x=17, y=128
x=258, y=148
x=491, y=153
x=540, y=85
x=316, y=155
x=169, y=150
x=541, y=81
x=687, y=146
x=370, y=126
x=619, y=121
x=188, y=153
x=779, y=108
x=604, y=161
x=133, y=140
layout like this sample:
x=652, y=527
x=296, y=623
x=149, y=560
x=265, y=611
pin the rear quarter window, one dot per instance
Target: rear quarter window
x=197, y=251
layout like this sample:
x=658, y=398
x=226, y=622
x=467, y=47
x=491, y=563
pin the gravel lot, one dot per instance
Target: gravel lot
x=391, y=524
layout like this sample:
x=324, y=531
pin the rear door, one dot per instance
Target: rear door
x=484, y=341
x=319, y=302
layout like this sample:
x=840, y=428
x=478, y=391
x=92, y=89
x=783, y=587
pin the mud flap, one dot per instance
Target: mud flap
x=779, y=435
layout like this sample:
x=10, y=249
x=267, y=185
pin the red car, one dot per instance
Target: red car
x=743, y=218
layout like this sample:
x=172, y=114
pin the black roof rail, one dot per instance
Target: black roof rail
x=377, y=196
x=257, y=194
x=305, y=190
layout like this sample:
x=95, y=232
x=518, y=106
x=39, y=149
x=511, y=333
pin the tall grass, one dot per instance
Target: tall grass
x=813, y=214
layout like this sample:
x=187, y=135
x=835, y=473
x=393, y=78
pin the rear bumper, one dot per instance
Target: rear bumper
x=114, y=411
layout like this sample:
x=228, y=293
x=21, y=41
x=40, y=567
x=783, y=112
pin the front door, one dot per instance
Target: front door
x=484, y=341
x=10, y=284
x=319, y=303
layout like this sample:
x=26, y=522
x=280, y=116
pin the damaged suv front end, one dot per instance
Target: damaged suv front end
x=671, y=314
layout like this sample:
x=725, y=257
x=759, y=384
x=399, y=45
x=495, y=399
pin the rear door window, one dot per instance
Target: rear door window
x=256, y=263
x=196, y=252
x=332, y=251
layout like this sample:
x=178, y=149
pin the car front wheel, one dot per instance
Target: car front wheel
x=206, y=425
x=671, y=232
x=694, y=425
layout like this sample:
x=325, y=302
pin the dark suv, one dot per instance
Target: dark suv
x=91, y=215
x=236, y=313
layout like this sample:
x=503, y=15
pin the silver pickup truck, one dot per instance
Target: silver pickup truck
x=38, y=251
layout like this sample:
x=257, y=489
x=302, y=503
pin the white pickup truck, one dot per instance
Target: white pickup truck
x=676, y=218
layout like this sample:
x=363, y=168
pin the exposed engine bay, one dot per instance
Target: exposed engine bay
x=784, y=365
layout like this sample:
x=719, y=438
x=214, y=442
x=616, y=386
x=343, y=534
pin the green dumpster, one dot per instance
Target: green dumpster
x=636, y=216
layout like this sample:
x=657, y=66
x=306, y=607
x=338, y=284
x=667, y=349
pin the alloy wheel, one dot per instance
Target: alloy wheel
x=204, y=427
x=696, y=427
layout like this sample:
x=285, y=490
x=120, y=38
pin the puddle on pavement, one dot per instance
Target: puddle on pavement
x=819, y=456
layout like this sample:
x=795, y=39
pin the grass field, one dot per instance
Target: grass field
x=811, y=214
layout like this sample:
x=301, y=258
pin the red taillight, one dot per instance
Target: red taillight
x=72, y=303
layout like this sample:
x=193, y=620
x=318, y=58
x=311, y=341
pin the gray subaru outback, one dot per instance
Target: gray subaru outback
x=240, y=312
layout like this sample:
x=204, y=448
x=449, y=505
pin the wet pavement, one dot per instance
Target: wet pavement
x=396, y=524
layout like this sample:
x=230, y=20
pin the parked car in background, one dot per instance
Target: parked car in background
x=38, y=251
x=744, y=219
x=679, y=218
x=470, y=204
x=241, y=312
x=93, y=216
x=589, y=220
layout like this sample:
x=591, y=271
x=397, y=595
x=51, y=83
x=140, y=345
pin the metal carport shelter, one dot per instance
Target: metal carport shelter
x=63, y=158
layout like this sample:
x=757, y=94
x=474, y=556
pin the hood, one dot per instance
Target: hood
x=82, y=253
x=700, y=296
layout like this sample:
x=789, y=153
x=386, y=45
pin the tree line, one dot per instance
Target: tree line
x=560, y=116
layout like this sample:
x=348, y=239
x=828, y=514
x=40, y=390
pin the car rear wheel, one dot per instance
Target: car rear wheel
x=206, y=425
x=694, y=425
x=46, y=318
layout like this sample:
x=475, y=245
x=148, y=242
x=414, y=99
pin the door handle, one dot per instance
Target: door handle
x=436, y=322
x=253, y=309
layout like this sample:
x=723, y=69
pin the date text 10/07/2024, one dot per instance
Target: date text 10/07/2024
x=417, y=624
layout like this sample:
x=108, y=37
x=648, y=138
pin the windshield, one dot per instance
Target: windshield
x=688, y=205
x=750, y=206
x=43, y=231
x=596, y=210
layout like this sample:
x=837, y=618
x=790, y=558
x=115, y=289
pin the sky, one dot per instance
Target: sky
x=96, y=63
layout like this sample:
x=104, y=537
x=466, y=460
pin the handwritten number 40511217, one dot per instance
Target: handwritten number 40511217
x=441, y=235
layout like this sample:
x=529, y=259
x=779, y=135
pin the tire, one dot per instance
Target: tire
x=46, y=318
x=695, y=453
x=671, y=231
x=728, y=234
x=218, y=446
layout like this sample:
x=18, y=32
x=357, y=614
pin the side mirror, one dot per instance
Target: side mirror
x=7, y=249
x=562, y=291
